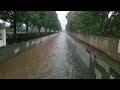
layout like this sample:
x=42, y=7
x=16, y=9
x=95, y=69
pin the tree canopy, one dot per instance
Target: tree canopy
x=94, y=22
x=47, y=19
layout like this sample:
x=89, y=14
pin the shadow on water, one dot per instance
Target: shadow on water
x=99, y=65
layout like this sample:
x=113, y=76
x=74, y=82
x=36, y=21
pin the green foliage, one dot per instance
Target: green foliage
x=94, y=22
x=31, y=19
x=51, y=20
x=2, y=25
x=48, y=19
x=26, y=36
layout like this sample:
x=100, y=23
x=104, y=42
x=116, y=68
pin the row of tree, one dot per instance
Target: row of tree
x=47, y=19
x=106, y=23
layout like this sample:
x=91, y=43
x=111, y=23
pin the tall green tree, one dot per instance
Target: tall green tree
x=94, y=22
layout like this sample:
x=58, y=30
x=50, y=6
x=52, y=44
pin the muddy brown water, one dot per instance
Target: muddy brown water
x=53, y=59
x=57, y=58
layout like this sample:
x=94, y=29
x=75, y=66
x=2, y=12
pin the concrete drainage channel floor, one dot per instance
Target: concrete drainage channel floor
x=55, y=59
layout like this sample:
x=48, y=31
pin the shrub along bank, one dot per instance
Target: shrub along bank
x=25, y=36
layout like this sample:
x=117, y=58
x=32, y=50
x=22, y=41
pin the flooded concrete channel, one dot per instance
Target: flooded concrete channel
x=62, y=57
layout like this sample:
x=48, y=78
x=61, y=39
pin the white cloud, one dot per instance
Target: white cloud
x=62, y=18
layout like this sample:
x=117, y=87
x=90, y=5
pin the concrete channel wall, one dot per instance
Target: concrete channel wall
x=99, y=65
x=108, y=45
x=16, y=49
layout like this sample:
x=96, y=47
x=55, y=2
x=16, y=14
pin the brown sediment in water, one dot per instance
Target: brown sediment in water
x=27, y=64
x=55, y=59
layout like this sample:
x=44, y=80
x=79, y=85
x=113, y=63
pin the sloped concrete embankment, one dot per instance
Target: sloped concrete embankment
x=108, y=45
x=16, y=49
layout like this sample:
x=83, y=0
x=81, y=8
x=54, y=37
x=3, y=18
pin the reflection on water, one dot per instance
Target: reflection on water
x=64, y=62
x=99, y=65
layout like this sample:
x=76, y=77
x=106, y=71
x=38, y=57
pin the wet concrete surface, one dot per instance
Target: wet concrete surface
x=55, y=59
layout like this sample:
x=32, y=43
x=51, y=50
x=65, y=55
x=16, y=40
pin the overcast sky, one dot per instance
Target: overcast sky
x=62, y=18
x=6, y=23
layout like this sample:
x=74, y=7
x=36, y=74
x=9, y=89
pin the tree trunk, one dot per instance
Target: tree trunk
x=27, y=27
x=39, y=28
x=45, y=29
x=105, y=24
x=14, y=26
